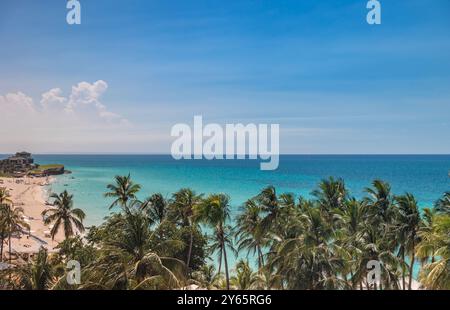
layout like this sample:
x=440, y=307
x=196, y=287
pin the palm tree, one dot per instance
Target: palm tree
x=132, y=246
x=5, y=202
x=381, y=226
x=64, y=215
x=5, y=197
x=123, y=191
x=268, y=201
x=215, y=212
x=3, y=230
x=265, y=279
x=244, y=278
x=331, y=194
x=375, y=247
x=436, y=274
x=426, y=249
x=409, y=224
x=182, y=211
x=443, y=204
x=207, y=277
x=13, y=222
x=308, y=259
x=380, y=202
x=156, y=207
x=353, y=219
x=36, y=275
x=249, y=232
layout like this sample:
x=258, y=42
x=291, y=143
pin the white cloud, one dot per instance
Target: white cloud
x=53, y=96
x=85, y=94
x=57, y=121
x=83, y=99
x=16, y=103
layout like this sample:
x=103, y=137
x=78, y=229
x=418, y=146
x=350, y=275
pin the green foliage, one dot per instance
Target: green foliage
x=75, y=248
x=64, y=215
x=296, y=243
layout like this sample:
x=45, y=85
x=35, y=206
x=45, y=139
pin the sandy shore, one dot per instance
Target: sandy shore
x=30, y=194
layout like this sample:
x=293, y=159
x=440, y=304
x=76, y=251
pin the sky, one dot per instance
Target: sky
x=118, y=82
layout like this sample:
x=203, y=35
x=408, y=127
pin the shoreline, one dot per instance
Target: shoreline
x=31, y=194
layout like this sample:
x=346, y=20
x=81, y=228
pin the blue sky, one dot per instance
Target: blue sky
x=335, y=84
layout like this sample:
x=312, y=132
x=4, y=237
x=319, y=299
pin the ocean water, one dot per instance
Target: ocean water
x=426, y=176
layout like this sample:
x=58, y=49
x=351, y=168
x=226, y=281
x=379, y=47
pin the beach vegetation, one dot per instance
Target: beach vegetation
x=325, y=240
x=64, y=215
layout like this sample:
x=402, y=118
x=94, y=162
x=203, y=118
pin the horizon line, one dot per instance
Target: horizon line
x=281, y=154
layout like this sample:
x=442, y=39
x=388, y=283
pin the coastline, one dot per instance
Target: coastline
x=30, y=194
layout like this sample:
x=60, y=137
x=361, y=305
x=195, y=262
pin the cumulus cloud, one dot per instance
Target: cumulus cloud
x=16, y=103
x=84, y=98
x=52, y=97
x=79, y=117
x=85, y=94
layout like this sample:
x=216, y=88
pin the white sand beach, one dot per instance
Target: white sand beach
x=30, y=194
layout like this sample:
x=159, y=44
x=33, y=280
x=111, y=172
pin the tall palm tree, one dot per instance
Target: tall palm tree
x=436, y=274
x=353, y=219
x=268, y=201
x=374, y=246
x=215, y=212
x=426, y=249
x=382, y=222
x=409, y=224
x=3, y=229
x=64, y=215
x=249, y=233
x=182, y=211
x=13, y=222
x=331, y=194
x=380, y=201
x=5, y=202
x=123, y=191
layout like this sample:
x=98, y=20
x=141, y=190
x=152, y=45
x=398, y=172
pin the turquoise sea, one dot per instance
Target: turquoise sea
x=426, y=176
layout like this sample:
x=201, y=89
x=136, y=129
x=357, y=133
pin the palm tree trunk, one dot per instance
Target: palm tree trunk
x=191, y=241
x=10, y=256
x=10, y=250
x=403, y=271
x=227, y=276
x=1, y=250
x=411, y=267
x=260, y=258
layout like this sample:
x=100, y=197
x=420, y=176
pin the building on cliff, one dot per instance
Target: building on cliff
x=18, y=164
